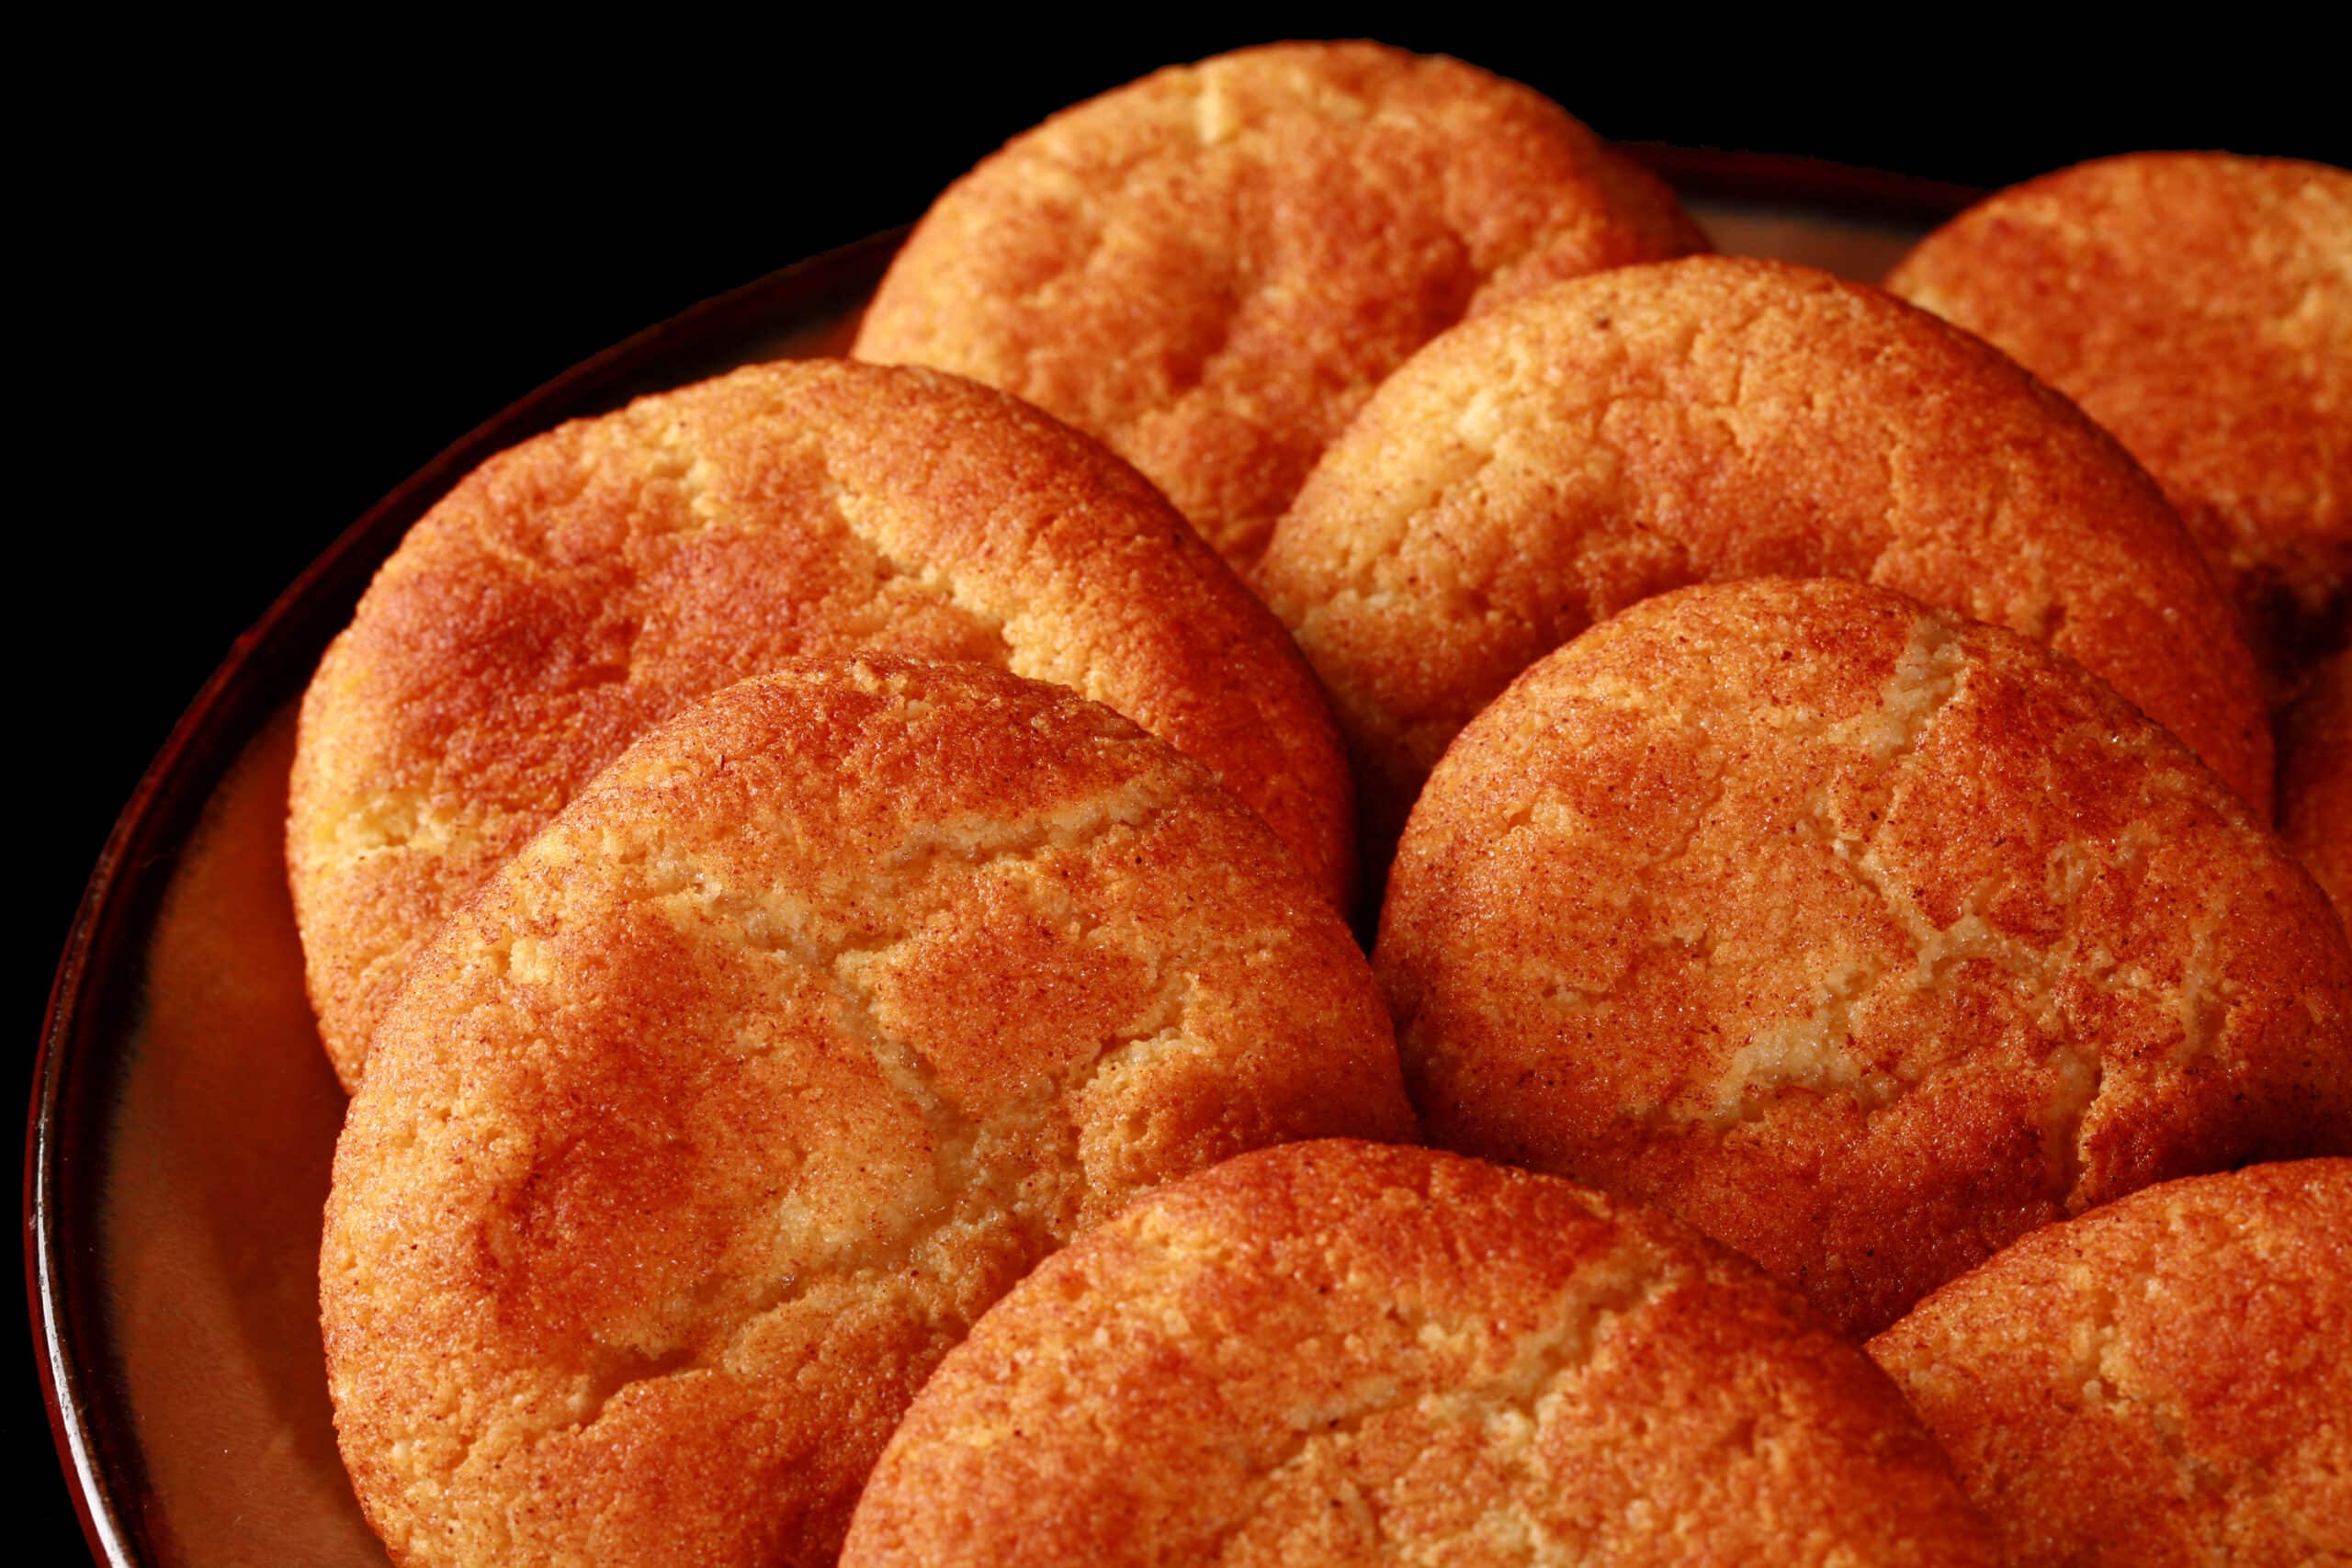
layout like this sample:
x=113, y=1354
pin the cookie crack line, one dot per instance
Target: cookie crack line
x=969, y=1189
x=850, y=503
x=1581, y=1319
x=2045, y=973
x=2163, y=1420
x=1915, y=698
x=1927, y=679
x=1936, y=952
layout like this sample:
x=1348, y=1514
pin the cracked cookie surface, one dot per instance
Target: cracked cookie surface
x=1340, y=1353
x=1212, y=267
x=594, y=581
x=2161, y=1383
x=807, y=1029
x=1538, y=469
x=2200, y=306
x=1864, y=937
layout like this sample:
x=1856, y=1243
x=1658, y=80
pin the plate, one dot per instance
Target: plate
x=183, y=1116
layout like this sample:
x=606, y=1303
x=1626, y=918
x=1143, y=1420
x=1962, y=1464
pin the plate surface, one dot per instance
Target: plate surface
x=183, y=1116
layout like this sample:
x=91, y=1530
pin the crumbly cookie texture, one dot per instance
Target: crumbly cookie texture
x=1864, y=937
x=1538, y=469
x=2200, y=306
x=2315, y=779
x=1340, y=1353
x=1212, y=267
x=2161, y=1383
x=807, y=1029
x=594, y=581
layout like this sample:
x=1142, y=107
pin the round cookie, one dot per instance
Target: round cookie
x=2200, y=306
x=1538, y=469
x=1211, y=268
x=2315, y=779
x=1343, y=1353
x=2161, y=1383
x=1861, y=937
x=589, y=583
x=803, y=1032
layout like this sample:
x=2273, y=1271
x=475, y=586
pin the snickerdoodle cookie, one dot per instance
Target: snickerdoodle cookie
x=1340, y=1353
x=798, y=1037
x=1862, y=937
x=2315, y=778
x=2200, y=306
x=590, y=583
x=1543, y=467
x=1212, y=267
x=2160, y=1383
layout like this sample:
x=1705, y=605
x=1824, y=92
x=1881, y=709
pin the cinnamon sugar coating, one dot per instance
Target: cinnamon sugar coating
x=1863, y=938
x=1212, y=267
x=1338, y=1353
x=1542, y=467
x=2160, y=1384
x=2200, y=306
x=803, y=1032
x=592, y=581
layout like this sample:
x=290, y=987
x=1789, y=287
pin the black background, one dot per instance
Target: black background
x=270, y=290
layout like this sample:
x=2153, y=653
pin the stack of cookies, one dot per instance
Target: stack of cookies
x=833, y=887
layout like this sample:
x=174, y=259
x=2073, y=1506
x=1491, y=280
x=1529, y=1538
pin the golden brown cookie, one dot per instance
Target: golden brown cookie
x=2200, y=306
x=2162, y=1383
x=2315, y=779
x=1542, y=467
x=592, y=582
x=807, y=1029
x=1340, y=1353
x=1863, y=938
x=1211, y=268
